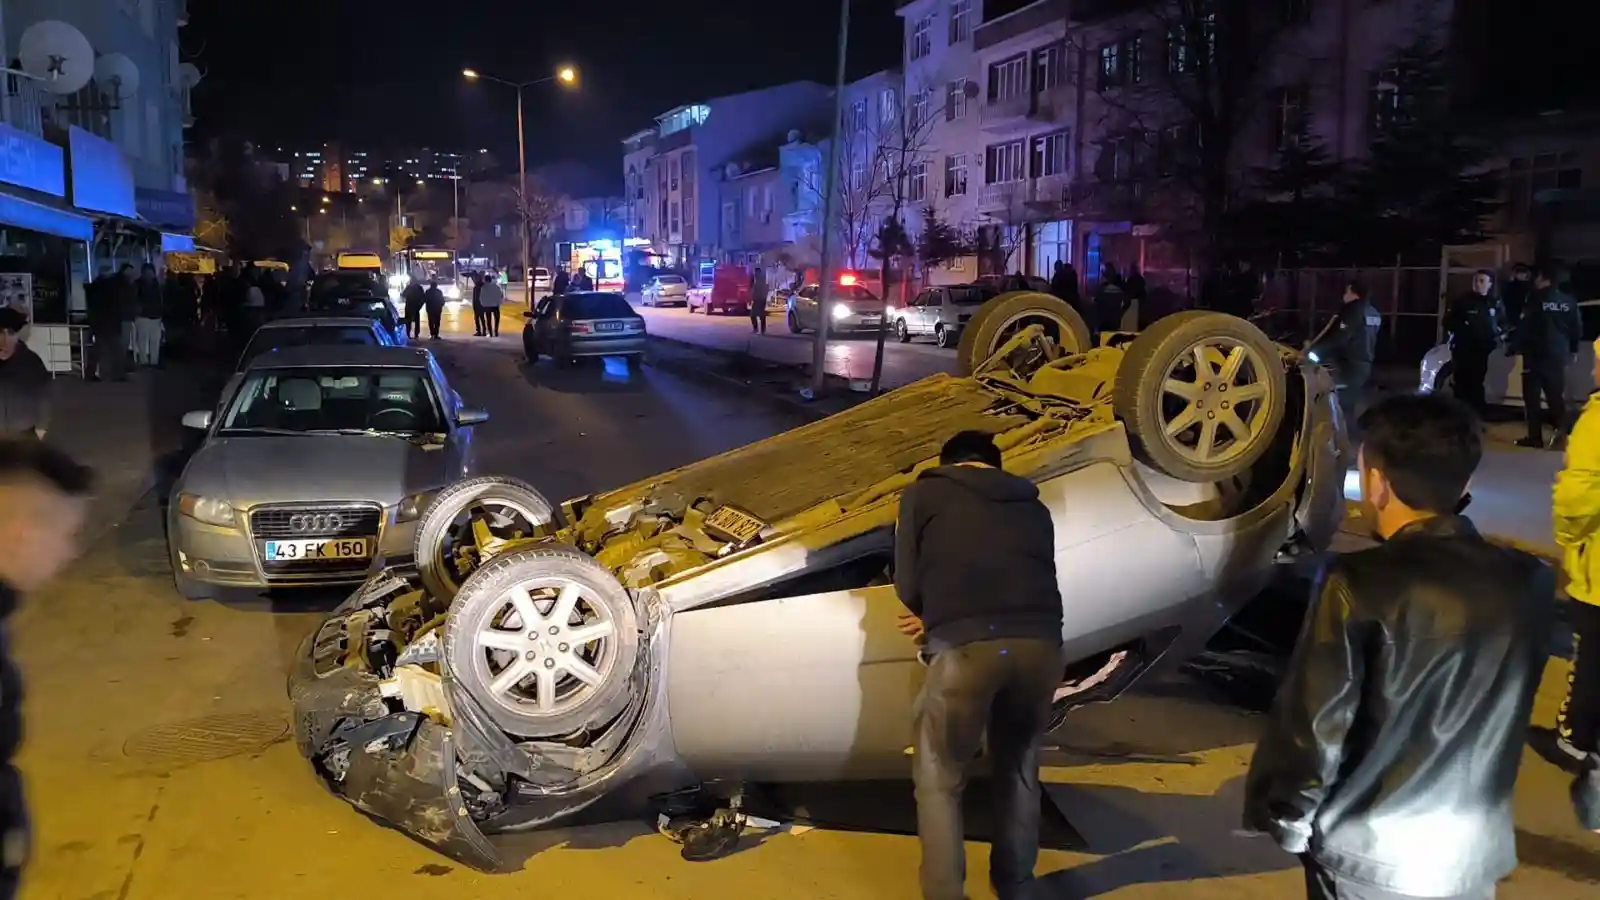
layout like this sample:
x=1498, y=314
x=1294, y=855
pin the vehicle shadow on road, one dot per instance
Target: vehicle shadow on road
x=1140, y=727
x=1143, y=838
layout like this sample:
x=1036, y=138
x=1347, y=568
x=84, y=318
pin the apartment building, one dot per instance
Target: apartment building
x=93, y=128
x=1066, y=125
x=877, y=164
x=693, y=146
x=638, y=192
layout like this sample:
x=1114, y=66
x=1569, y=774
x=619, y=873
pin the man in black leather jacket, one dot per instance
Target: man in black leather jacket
x=1390, y=757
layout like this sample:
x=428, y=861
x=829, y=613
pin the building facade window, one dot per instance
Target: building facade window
x=888, y=107
x=916, y=110
x=1004, y=163
x=917, y=182
x=1192, y=44
x=921, y=42
x=856, y=119
x=673, y=166
x=1120, y=63
x=960, y=21
x=955, y=100
x=1050, y=155
x=955, y=175
x=1049, y=67
x=1008, y=79
x=1290, y=115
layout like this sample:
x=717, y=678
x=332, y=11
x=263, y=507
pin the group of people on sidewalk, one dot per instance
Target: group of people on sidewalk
x=1391, y=755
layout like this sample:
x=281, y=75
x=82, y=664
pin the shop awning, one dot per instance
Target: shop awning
x=176, y=243
x=20, y=213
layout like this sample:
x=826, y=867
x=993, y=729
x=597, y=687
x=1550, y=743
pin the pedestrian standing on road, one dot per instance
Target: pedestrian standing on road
x=1138, y=297
x=415, y=298
x=478, y=280
x=433, y=301
x=125, y=290
x=562, y=280
x=491, y=299
x=1548, y=336
x=255, y=304
x=1064, y=285
x=1389, y=759
x=104, y=327
x=758, y=300
x=180, y=311
x=1475, y=324
x=43, y=506
x=1347, y=348
x=1244, y=294
x=147, y=330
x=24, y=382
x=1110, y=303
x=974, y=562
x=1515, y=293
x=1576, y=512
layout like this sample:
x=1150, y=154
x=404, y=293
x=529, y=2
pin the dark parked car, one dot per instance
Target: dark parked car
x=589, y=323
x=370, y=305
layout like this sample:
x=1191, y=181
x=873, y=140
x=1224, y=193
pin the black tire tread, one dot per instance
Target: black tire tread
x=981, y=330
x=422, y=549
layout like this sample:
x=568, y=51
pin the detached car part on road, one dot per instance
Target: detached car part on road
x=733, y=621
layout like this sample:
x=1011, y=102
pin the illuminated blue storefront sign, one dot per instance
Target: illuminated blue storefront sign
x=169, y=209
x=102, y=181
x=30, y=162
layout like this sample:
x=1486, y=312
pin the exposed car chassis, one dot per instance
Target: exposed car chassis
x=520, y=675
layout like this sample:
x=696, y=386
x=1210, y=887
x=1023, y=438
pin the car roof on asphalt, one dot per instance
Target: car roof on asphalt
x=322, y=355
x=320, y=322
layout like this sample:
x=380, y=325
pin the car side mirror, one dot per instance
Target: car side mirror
x=199, y=420
x=466, y=418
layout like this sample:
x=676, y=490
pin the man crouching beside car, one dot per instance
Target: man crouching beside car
x=974, y=561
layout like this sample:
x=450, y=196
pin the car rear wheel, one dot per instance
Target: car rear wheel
x=545, y=639
x=901, y=331
x=445, y=549
x=942, y=338
x=998, y=319
x=794, y=324
x=1202, y=395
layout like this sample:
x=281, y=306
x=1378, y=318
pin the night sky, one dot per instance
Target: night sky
x=385, y=74
x=378, y=74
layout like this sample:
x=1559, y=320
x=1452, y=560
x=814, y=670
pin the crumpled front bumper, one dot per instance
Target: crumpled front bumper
x=398, y=767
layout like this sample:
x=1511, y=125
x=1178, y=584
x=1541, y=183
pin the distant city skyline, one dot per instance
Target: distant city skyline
x=331, y=166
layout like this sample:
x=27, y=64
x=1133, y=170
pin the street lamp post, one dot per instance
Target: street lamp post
x=566, y=75
x=819, y=351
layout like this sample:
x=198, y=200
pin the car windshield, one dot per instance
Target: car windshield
x=970, y=296
x=338, y=399
x=670, y=279
x=268, y=339
x=596, y=306
x=371, y=307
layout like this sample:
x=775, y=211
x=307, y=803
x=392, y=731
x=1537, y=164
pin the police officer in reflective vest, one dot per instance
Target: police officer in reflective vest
x=1348, y=348
x=1547, y=337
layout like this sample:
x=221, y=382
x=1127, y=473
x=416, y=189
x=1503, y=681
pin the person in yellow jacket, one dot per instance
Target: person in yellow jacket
x=1576, y=513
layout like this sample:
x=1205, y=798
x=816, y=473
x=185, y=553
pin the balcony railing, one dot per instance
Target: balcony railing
x=25, y=105
x=1003, y=197
x=1052, y=190
x=1005, y=112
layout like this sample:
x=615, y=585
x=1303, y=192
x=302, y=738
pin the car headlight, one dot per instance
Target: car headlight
x=840, y=311
x=1312, y=355
x=209, y=510
x=452, y=292
x=412, y=507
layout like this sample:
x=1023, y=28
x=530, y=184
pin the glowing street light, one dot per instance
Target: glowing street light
x=567, y=76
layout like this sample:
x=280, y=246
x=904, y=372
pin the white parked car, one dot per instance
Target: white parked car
x=1503, y=386
x=665, y=290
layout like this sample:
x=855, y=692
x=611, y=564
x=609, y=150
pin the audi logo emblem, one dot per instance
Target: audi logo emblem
x=316, y=522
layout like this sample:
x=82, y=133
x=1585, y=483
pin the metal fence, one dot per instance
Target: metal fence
x=1409, y=298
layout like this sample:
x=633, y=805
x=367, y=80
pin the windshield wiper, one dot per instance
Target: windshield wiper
x=271, y=431
x=379, y=432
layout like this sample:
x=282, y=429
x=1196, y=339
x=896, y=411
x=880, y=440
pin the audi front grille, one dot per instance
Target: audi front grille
x=295, y=522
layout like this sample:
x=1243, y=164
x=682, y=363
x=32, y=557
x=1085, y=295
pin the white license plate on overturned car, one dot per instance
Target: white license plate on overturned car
x=329, y=549
x=733, y=525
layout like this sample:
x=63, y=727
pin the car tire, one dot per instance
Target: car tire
x=500, y=590
x=530, y=347
x=1000, y=317
x=794, y=324
x=901, y=331
x=189, y=589
x=1145, y=400
x=941, y=338
x=439, y=520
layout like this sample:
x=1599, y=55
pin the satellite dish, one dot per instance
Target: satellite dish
x=794, y=135
x=731, y=171
x=117, y=73
x=188, y=75
x=58, y=55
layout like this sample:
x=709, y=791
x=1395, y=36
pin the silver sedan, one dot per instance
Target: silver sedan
x=315, y=468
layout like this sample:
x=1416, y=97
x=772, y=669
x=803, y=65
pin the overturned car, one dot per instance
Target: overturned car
x=733, y=621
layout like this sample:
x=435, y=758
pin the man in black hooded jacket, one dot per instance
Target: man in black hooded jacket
x=974, y=562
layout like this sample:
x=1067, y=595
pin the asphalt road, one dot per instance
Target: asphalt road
x=159, y=765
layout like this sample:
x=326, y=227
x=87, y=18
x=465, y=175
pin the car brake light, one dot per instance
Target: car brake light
x=847, y=279
x=580, y=328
